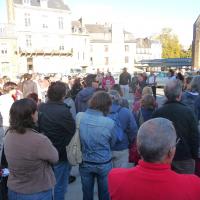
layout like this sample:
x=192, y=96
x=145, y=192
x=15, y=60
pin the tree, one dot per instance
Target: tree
x=171, y=47
x=186, y=53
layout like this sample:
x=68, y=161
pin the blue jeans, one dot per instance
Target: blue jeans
x=46, y=195
x=61, y=171
x=88, y=174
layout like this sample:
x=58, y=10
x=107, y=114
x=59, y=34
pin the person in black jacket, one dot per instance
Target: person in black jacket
x=125, y=81
x=186, y=128
x=57, y=123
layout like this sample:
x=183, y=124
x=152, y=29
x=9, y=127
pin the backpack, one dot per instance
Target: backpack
x=73, y=149
x=119, y=131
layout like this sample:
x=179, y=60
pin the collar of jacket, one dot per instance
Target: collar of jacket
x=154, y=166
x=56, y=102
x=170, y=102
x=94, y=112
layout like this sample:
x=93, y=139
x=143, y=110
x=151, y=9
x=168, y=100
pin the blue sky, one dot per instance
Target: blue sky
x=142, y=17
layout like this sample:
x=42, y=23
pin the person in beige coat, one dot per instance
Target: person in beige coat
x=29, y=155
x=29, y=86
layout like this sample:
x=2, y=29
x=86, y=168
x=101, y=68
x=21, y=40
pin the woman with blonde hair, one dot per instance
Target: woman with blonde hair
x=147, y=91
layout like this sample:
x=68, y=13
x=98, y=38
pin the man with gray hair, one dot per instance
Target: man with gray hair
x=186, y=128
x=153, y=178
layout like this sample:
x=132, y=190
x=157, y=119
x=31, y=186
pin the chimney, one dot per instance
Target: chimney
x=10, y=12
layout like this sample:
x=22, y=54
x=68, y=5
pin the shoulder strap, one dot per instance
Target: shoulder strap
x=140, y=117
x=117, y=111
x=78, y=119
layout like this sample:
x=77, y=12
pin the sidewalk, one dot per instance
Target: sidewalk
x=74, y=189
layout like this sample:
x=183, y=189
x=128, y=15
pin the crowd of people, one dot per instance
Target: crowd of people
x=128, y=148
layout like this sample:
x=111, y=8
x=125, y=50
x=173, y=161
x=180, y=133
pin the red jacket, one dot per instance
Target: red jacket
x=150, y=181
x=108, y=82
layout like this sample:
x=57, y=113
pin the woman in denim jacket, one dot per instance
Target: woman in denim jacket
x=97, y=137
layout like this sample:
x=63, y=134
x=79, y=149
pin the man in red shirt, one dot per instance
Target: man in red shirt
x=153, y=178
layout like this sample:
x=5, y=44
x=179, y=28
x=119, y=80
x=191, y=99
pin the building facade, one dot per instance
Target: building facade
x=43, y=32
x=80, y=46
x=48, y=41
x=196, y=45
x=112, y=48
x=8, y=50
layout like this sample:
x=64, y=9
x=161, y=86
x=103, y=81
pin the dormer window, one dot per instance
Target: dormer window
x=27, y=2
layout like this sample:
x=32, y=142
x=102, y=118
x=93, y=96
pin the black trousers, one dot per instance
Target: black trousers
x=154, y=91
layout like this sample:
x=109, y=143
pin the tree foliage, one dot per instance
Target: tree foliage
x=171, y=48
x=186, y=53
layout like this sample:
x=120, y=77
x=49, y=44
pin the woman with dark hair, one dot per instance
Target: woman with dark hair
x=29, y=155
x=57, y=123
x=124, y=102
x=34, y=97
x=76, y=88
x=97, y=136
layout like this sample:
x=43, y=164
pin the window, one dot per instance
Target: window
x=30, y=64
x=28, y=41
x=2, y=29
x=126, y=59
x=61, y=47
x=27, y=19
x=4, y=49
x=105, y=48
x=60, y=23
x=44, y=22
x=91, y=60
x=106, y=60
x=91, y=48
x=126, y=48
x=26, y=2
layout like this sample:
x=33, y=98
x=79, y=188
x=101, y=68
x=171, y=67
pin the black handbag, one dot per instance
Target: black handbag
x=3, y=180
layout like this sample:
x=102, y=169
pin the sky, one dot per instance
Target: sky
x=141, y=17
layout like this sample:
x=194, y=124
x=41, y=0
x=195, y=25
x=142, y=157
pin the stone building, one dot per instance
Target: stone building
x=112, y=48
x=196, y=44
x=8, y=50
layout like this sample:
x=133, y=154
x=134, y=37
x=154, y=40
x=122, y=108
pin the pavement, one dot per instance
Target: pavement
x=74, y=191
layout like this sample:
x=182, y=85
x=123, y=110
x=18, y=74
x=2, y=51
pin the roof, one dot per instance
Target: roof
x=143, y=43
x=168, y=62
x=197, y=20
x=97, y=28
x=55, y=4
x=76, y=24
